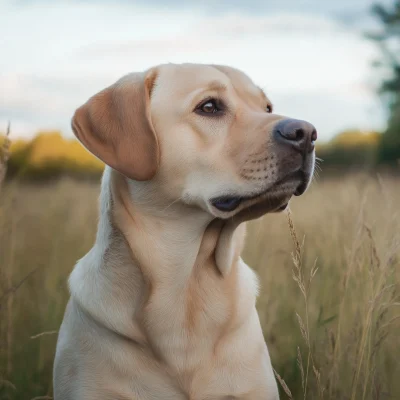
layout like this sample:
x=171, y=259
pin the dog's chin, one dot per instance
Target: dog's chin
x=274, y=199
x=268, y=202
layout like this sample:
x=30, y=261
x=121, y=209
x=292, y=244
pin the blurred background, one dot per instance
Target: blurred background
x=332, y=63
x=335, y=64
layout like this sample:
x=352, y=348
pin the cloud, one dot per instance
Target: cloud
x=59, y=54
x=33, y=102
x=283, y=53
x=332, y=113
x=353, y=13
x=251, y=6
x=211, y=33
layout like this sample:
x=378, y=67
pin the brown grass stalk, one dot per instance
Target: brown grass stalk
x=5, y=155
x=43, y=334
x=283, y=385
x=304, y=286
x=10, y=299
x=346, y=280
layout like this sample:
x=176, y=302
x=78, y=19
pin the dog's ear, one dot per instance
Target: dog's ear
x=115, y=125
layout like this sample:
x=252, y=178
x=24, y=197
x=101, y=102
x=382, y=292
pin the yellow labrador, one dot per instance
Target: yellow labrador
x=162, y=306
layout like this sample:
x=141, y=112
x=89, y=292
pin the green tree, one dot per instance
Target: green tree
x=388, y=40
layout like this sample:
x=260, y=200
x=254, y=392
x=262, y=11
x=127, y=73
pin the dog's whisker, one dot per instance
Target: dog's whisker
x=171, y=204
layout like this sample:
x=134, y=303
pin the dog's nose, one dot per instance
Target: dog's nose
x=298, y=134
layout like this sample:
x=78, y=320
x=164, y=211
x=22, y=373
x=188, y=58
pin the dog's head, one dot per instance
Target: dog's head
x=201, y=135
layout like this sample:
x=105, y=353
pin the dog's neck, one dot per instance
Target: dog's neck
x=138, y=251
x=166, y=241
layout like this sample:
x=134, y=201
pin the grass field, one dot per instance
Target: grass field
x=346, y=328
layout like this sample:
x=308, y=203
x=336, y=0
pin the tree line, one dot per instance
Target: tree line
x=50, y=155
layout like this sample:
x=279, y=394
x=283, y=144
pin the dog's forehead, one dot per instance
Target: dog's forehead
x=237, y=77
x=242, y=82
x=183, y=78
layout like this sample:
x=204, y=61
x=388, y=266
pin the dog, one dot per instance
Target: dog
x=163, y=306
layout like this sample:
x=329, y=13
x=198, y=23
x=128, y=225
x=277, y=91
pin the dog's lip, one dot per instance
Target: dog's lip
x=301, y=188
x=297, y=175
x=238, y=200
x=283, y=207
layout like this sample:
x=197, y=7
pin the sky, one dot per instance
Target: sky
x=310, y=56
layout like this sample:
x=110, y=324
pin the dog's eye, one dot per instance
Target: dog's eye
x=269, y=108
x=209, y=107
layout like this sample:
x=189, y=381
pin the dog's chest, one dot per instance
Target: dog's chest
x=186, y=320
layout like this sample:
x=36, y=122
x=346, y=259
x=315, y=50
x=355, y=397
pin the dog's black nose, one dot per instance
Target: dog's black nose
x=298, y=134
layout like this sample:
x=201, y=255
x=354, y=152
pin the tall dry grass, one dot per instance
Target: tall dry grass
x=338, y=297
x=329, y=300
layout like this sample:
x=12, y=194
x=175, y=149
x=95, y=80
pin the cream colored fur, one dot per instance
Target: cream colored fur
x=163, y=306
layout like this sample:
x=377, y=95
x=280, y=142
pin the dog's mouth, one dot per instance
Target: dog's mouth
x=230, y=203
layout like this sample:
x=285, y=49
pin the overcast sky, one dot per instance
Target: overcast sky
x=309, y=56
